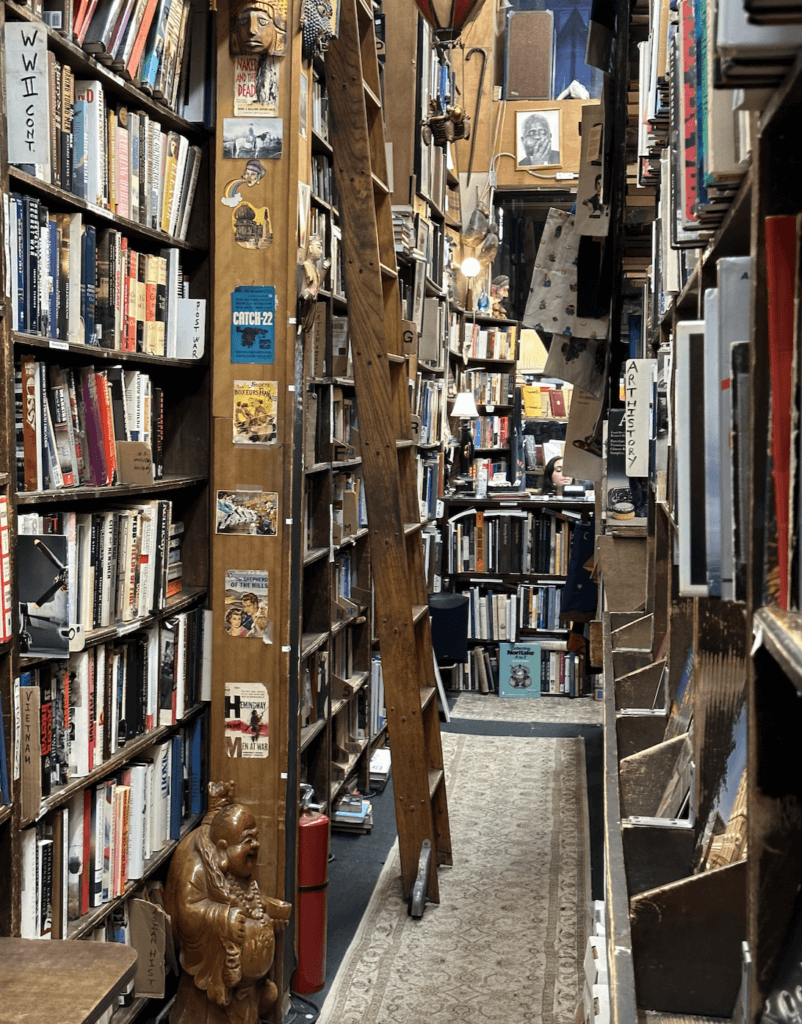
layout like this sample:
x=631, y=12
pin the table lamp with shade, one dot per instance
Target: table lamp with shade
x=465, y=410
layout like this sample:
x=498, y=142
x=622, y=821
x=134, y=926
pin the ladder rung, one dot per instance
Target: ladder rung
x=419, y=611
x=427, y=696
x=314, y=555
x=436, y=775
x=388, y=272
x=393, y=357
x=411, y=528
x=371, y=95
x=311, y=641
x=379, y=185
x=400, y=443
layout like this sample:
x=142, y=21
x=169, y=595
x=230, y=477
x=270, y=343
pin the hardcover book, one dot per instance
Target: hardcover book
x=519, y=670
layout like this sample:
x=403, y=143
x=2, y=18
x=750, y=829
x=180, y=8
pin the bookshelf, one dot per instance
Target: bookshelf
x=105, y=465
x=716, y=624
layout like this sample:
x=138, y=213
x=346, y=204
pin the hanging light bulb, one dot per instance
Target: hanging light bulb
x=449, y=17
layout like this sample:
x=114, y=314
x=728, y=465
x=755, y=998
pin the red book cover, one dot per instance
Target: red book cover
x=98, y=467
x=557, y=399
x=781, y=270
x=107, y=421
x=132, y=67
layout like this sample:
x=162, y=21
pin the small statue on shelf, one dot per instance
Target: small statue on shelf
x=499, y=290
x=314, y=269
x=224, y=926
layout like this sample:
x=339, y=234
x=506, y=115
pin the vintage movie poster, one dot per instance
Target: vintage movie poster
x=255, y=412
x=253, y=324
x=246, y=602
x=247, y=720
x=256, y=86
x=247, y=513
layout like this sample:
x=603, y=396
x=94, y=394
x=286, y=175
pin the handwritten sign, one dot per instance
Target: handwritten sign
x=148, y=939
x=638, y=377
x=134, y=463
x=27, y=93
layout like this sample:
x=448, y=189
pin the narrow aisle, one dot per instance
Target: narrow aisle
x=502, y=940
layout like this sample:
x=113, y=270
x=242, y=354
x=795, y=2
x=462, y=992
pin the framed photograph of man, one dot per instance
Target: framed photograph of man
x=538, y=138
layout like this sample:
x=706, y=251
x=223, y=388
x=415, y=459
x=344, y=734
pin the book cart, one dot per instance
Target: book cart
x=104, y=501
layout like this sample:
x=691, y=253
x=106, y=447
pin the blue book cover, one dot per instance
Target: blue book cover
x=154, y=47
x=519, y=670
x=253, y=330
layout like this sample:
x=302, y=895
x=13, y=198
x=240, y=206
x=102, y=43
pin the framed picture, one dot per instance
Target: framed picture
x=538, y=138
x=252, y=139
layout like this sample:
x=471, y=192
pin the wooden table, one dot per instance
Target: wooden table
x=54, y=981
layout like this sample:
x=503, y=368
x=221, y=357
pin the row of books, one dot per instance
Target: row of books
x=546, y=400
x=490, y=343
x=432, y=539
x=535, y=669
x=479, y=673
x=491, y=615
x=539, y=606
x=490, y=388
x=72, y=424
x=144, y=41
x=508, y=541
x=116, y=158
x=323, y=177
x=74, y=282
x=82, y=710
x=431, y=484
x=320, y=107
x=490, y=468
x=491, y=431
x=427, y=406
x=79, y=571
x=84, y=854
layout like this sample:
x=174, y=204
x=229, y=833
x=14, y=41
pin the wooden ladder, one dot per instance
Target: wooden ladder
x=388, y=453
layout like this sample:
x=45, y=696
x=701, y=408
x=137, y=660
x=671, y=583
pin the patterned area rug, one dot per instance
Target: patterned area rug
x=564, y=710
x=506, y=943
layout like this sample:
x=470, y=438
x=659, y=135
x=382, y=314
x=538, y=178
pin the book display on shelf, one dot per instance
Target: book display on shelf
x=96, y=471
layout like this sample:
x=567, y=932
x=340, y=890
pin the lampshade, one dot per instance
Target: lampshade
x=465, y=406
x=470, y=267
x=449, y=17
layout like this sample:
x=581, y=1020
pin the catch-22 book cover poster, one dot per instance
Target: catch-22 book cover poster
x=253, y=324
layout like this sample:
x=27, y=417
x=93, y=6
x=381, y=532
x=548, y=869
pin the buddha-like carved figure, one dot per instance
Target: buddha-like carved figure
x=224, y=926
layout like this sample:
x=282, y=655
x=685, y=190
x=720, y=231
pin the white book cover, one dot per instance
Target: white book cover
x=91, y=91
x=100, y=702
x=690, y=461
x=176, y=201
x=180, y=667
x=97, y=845
x=75, y=854
x=79, y=709
x=29, y=923
x=84, y=556
x=735, y=324
x=136, y=821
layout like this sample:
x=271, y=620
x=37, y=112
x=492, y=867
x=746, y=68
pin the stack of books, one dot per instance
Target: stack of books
x=379, y=768
x=352, y=813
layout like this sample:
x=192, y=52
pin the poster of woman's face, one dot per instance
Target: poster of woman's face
x=538, y=138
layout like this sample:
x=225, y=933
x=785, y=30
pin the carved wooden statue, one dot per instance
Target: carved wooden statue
x=314, y=269
x=499, y=290
x=257, y=27
x=224, y=926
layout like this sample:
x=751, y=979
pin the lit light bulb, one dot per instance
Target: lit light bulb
x=470, y=267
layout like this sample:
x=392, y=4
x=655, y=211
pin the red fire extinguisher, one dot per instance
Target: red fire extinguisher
x=313, y=866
